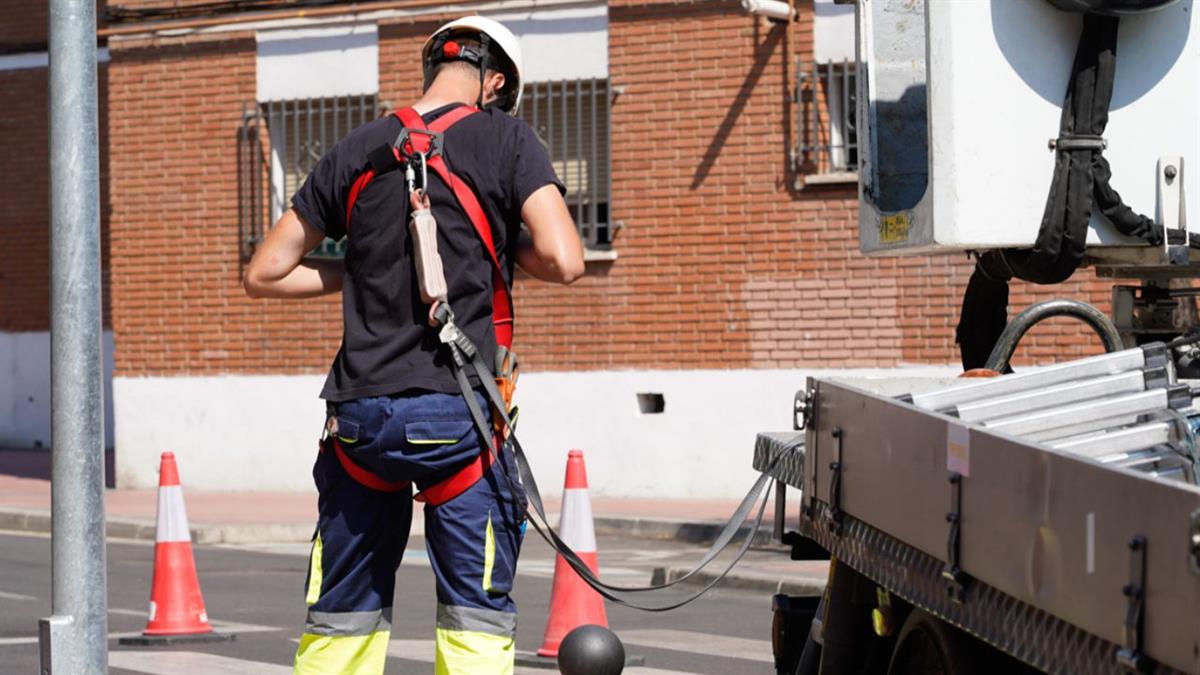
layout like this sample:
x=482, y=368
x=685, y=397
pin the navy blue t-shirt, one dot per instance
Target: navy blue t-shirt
x=387, y=344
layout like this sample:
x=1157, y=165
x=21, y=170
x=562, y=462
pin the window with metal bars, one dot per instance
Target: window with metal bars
x=280, y=143
x=571, y=117
x=826, y=133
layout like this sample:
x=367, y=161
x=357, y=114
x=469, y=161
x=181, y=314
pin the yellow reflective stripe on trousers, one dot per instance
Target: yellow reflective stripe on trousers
x=350, y=655
x=315, y=572
x=463, y=652
x=489, y=555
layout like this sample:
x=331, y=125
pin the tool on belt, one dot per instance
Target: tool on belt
x=419, y=148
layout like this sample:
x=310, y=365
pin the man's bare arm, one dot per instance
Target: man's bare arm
x=278, y=268
x=552, y=250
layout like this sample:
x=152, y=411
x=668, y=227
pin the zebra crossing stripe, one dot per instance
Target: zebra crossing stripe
x=191, y=662
x=422, y=651
x=701, y=643
x=156, y=662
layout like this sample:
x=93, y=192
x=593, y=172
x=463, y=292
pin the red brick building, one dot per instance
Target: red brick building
x=726, y=265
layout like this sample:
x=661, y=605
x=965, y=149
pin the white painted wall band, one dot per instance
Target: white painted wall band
x=317, y=62
x=25, y=389
x=699, y=447
x=26, y=60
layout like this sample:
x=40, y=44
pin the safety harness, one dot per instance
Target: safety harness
x=419, y=148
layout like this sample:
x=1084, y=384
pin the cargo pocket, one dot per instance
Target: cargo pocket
x=437, y=432
x=359, y=422
x=348, y=430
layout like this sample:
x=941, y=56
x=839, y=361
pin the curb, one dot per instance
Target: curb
x=30, y=520
x=664, y=529
x=748, y=581
x=692, y=532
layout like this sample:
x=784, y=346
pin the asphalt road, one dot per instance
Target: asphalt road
x=257, y=593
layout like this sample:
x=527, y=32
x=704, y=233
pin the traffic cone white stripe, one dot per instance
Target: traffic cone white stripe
x=575, y=522
x=172, y=516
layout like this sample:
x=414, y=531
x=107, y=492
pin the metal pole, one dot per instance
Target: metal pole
x=74, y=640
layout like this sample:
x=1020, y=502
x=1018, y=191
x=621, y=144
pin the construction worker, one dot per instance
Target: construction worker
x=397, y=415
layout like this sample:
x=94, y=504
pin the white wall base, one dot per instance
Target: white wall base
x=25, y=389
x=260, y=432
x=228, y=433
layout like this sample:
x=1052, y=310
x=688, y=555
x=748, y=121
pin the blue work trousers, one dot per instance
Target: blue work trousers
x=473, y=540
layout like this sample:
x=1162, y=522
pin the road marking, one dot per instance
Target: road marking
x=412, y=650
x=4, y=595
x=220, y=626
x=545, y=569
x=422, y=651
x=191, y=662
x=701, y=643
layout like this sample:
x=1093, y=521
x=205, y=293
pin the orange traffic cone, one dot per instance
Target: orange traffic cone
x=177, y=611
x=572, y=602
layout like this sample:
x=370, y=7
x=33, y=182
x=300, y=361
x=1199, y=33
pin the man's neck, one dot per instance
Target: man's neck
x=447, y=90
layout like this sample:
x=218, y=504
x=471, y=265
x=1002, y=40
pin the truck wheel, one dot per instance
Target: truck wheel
x=927, y=645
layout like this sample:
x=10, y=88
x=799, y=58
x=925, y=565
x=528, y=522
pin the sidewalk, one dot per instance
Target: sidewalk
x=261, y=517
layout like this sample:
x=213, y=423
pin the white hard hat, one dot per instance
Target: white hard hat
x=498, y=36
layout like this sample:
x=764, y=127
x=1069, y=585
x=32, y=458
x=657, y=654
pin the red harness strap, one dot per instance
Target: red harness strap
x=359, y=184
x=457, y=484
x=502, y=308
x=502, y=311
x=364, y=477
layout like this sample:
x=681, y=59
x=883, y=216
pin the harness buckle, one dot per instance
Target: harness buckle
x=449, y=334
x=412, y=142
x=460, y=345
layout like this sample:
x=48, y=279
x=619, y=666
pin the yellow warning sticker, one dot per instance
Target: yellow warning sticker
x=893, y=229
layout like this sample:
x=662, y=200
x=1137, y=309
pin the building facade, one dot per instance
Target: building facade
x=708, y=156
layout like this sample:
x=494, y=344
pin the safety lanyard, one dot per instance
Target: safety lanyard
x=464, y=355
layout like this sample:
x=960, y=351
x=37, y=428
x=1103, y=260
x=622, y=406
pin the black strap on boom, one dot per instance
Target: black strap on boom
x=1080, y=184
x=465, y=355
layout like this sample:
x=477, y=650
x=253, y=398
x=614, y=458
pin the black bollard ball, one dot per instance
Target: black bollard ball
x=591, y=650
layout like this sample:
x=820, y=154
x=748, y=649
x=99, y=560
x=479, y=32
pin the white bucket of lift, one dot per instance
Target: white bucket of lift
x=960, y=99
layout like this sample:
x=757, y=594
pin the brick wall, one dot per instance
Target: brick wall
x=23, y=22
x=179, y=308
x=25, y=202
x=722, y=263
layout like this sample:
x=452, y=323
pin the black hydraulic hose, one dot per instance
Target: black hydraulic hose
x=1016, y=329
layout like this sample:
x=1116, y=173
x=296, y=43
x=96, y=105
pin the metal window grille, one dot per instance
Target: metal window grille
x=571, y=117
x=279, y=144
x=826, y=104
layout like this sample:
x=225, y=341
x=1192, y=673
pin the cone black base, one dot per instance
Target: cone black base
x=167, y=640
x=532, y=660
